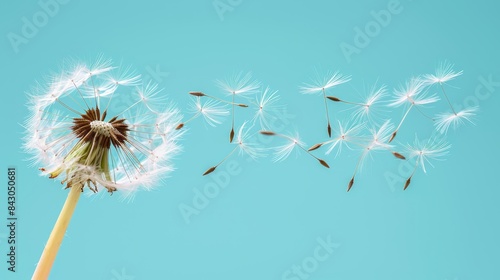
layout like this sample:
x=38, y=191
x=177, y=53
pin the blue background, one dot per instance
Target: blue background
x=270, y=215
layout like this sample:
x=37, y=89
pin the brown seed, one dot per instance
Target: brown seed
x=398, y=155
x=210, y=170
x=329, y=130
x=393, y=136
x=333, y=98
x=349, y=186
x=197, y=93
x=407, y=183
x=181, y=125
x=231, y=135
x=243, y=105
x=265, y=132
x=323, y=163
x=316, y=146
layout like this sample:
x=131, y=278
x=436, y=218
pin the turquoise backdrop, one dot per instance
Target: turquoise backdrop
x=286, y=220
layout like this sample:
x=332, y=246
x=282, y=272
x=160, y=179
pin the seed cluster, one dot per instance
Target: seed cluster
x=91, y=127
x=102, y=128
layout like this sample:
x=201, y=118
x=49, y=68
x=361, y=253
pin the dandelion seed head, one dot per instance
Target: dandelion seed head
x=323, y=82
x=245, y=145
x=212, y=111
x=239, y=84
x=424, y=151
x=283, y=152
x=443, y=74
x=267, y=106
x=76, y=134
x=345, y=134
x=446, y=120
x=380, y=137
x=369, y=108
x=412, y=94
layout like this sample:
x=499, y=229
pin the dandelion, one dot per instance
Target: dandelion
x=243, y=145
x=424, y=152
x=123, y=76
x=445, y=120
x=75, y=135
x=379, y=141
x=320, y=85
x=239, y=84
x=412, y=94
x=365, y=109
x=346, y=134
x=445, y=73
x=266, y=104
x=282, y=152
x=212, y=112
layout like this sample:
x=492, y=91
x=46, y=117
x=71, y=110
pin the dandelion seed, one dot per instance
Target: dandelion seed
x=424, y=152
x=315, y=147
x=197, y=93
x=379, y=141
x=345, y=134
x=407, y=183
x=92, y=146
x=351, y=183
x=125, y=76
x=366, y=109
x=282, y=152
x=333, y=98
x=243, y=145
x=268, y=133
x=266, y=104
x=398, y=155
x=212, y=111
x=240, y=84
x=320, y=85
x=210, y=170
x=446, y=120
x=412, y=95
x=444, y=73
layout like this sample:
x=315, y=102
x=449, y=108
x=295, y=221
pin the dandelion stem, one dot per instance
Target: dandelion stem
x=304, y=149
x=353, y=103
x=225, y=101
x=231, y=135
x=358, y=163
x=96, y=95
x=228, y=155
x=67, y=107
x=411, y=176
x=192, y=118
x=44, y=266
x=322, y=162
x=404, y=117
x=212, y=169
x=424, y=114
x=81, y=95
x=351, y=182
x=447, y=99
x=327, y=115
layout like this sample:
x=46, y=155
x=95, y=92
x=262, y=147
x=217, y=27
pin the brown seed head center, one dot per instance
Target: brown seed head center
x=92, y=127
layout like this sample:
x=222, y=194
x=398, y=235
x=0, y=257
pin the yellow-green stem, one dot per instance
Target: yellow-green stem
x=43, y=267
